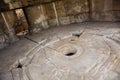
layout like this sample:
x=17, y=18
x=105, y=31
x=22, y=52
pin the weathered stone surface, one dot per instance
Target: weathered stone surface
x=9, y=19
x=86, y=56
x=116, y=10
x=106, y=10
x=6, y=76
x=51, y=61
x=16, y=74
x=3, y=37
x=36, y=18
x=61, y=12
x=13, y=4
x=99, y=10
x=56, y=13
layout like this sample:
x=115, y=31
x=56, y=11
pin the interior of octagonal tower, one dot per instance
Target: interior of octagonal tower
x=60, y=40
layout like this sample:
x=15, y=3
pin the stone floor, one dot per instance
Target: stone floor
x=84, y=51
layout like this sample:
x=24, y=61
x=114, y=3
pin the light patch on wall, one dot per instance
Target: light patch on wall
x=7, y=1
x=39, y=20
x=77, y=8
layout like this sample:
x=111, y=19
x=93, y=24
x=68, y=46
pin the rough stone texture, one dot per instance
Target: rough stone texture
x=3, y=6
x=99, y=38
x=9, y=56
x=102, y=10
x=62, y=12
x=6, y=76
x=12, y=4
x=7, y=26
x=105, y=10
x=57, y=13
x=16, y=74
x=36, y=18
x=42, y=14
x=10, y=18
x=3, y=37
x=116, y=10
x=87, y=56
x=68, y=11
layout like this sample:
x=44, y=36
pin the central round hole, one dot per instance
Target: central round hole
x=70, y=54
x=68, y=50
x=77, y=34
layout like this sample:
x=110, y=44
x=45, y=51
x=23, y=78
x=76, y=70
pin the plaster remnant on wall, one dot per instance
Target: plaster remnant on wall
x=77, y=8
x=7, y=1
x=39, y=20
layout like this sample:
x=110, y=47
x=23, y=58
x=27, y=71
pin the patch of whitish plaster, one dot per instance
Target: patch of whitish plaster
x=39, y=20
x=7, y=1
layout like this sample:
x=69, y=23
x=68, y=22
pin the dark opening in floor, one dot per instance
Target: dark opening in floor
x=19, y=65
x=70, y=54
x=77, y=34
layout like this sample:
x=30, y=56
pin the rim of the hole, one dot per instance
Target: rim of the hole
x=72, y=39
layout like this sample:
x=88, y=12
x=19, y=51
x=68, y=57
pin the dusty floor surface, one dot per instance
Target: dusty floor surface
x=84, y=51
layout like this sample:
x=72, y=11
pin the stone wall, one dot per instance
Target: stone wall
x=102, y=10
x=116, y=10
x=7, y=34
x=57, y=13
x=64, y=12
x=3, y=36
x=42, y=14
x=105, y=10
